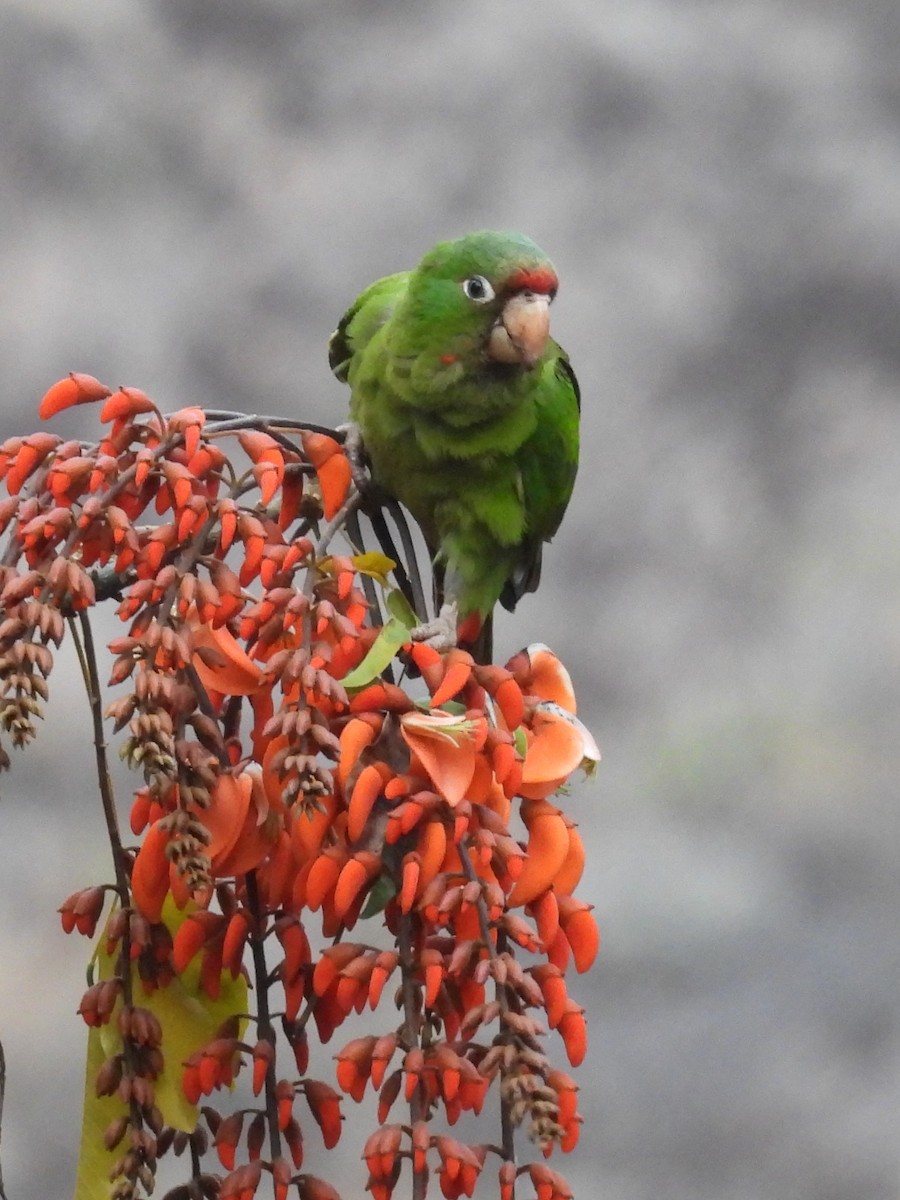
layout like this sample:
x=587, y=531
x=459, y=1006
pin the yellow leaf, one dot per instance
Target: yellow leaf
x=372, y=563
x=375, y=564
x=189, y=1020
x=94, y=1160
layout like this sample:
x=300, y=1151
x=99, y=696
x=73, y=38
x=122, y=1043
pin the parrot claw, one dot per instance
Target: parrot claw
x=356, y=456
x=440, y=633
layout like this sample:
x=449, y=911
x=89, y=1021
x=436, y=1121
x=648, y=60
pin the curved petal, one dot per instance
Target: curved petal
x=228, y=669
x=445, y=746
x=558, y=743
x=545, y=675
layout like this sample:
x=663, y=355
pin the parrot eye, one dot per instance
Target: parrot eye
x=478, y=289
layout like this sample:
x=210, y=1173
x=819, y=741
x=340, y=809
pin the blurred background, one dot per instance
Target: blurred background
x=191, y=193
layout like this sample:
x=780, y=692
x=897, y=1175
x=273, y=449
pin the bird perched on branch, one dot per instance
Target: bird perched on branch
x=468, y=412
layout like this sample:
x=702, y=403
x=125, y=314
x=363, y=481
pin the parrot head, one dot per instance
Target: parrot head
x=482, y=300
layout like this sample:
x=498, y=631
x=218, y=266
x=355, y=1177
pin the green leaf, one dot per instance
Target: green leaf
x=189, y=1019
x=393, y=635
x=398, y=606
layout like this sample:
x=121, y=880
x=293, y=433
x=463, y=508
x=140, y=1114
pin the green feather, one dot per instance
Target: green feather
x=482, y=453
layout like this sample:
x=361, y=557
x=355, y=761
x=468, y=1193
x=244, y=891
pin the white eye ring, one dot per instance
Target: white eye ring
x=478, y=289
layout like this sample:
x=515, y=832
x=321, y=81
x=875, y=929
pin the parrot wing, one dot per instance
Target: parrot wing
x=547, y=465
x=362, y=320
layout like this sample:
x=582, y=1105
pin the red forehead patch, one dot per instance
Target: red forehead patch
x=533, y=279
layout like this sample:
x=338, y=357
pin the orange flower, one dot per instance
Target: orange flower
x=221, y=664
x=332, y=469
x=267, y=457
x=558, y=743
x=127, y=402
x=31, y=453
x=242, y=826
x=325, y=1105
x=445, y=745
x=242, y=1183
x=382, y=1155
x=366, y=791
x=227, y=1137
x=74, y=389
x=150, y=874
x=573, y=1029
x=540, y=673
x=573, y=867
x=580, y=929
x=445, y=677
x=460, y=1166
x=82, y=911
x=355, y=736
x=548, y=846
x=310, y=823
x=548, y=1184
x=214, y=1066
x=354, y=1066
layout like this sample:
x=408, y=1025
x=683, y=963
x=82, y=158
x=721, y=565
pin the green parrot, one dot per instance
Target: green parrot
x=468, y=412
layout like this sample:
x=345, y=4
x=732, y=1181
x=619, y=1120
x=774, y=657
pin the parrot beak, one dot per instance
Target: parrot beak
x=520, y=336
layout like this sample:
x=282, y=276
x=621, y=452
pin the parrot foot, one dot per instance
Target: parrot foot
x=439, y=633
x=356, y=456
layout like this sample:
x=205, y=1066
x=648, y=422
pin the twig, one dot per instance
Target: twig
x=2, y=1097
x=337, y=521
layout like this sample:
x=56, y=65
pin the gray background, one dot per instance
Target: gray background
x=191, y=192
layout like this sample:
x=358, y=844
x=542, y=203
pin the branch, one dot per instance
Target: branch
x=223, y=421
x=264, y=1025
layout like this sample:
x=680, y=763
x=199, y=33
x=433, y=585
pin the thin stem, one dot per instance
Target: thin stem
x=507, y=1129
x=337, y=522
x=264, y=1025
x=410, y=1031
x=87, y=658
x=196, y=1165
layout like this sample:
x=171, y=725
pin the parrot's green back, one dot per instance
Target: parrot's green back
x=482, y=452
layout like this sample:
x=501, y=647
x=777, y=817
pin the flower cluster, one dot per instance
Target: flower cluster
x=294, y=802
